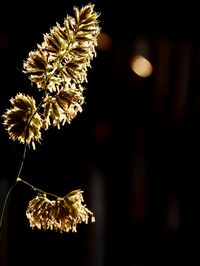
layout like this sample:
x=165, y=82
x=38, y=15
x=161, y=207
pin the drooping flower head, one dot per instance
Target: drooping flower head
x=62, y=214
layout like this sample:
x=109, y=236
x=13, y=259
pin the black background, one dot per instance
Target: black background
x=133, y=150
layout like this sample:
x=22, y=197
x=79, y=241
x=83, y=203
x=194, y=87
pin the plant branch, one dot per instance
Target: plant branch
x=35, y=188
x=5, y=205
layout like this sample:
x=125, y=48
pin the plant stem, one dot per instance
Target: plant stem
x=13, y=186
x=24, y=156
x=19, y=173
x=11, y=190
x=5, y=205
x=35, y=188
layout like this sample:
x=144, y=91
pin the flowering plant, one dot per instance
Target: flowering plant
x=58, y=69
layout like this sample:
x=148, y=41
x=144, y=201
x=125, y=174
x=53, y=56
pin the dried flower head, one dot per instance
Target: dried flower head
x=63, y=106
x=22, y=121
x=62, y=214
x=66, y=52
x=58, y=67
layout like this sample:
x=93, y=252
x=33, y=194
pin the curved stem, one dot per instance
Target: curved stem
x=11, y=189
x=6, y=204
x=23, y=160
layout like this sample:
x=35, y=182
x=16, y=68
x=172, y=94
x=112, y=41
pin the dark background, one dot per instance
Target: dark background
x=134, y=149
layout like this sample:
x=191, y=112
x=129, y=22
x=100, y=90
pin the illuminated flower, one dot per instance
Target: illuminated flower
x=66, y=52
x=37, y=67
x=64, y=106
x=62, y=214
x=58, y=68
x=22, y=121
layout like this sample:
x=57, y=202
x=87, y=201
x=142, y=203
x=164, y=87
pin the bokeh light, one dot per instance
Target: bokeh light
x=141, y=66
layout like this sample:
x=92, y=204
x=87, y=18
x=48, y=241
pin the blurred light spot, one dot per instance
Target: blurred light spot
x=104, y=42
x=141, y=66
x=101, y=130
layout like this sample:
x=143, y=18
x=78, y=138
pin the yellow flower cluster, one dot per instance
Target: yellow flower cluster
x=62, y=214
x=58, y=68
x=23, y=121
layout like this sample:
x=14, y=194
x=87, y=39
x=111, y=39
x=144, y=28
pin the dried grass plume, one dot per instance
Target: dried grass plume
x=57, y=70
x=61, y=214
